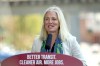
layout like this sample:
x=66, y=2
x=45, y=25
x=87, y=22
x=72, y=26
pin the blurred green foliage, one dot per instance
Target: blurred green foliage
x=19, y=30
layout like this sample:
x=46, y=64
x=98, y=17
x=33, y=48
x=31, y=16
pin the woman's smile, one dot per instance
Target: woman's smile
x=50, y=26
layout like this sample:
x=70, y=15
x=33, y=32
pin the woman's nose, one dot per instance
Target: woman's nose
x=50, y=21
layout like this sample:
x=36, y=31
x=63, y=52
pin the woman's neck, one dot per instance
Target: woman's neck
x=54, y=36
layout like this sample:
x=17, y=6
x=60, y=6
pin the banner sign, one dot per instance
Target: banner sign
x=41, y=59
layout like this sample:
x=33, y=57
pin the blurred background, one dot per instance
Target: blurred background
x=21, y=20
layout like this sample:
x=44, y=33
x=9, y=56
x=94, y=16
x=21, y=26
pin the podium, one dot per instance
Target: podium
x=41, y=59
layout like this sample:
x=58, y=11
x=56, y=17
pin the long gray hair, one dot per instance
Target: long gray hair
x=63, y=31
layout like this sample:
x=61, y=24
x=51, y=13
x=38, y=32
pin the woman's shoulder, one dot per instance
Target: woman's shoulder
x=37, y=41
x=71, y=37
x=37, y=37
x=71, y=40
x=36, y=44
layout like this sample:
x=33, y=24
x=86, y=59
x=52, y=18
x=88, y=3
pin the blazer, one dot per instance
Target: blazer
x=70, y=47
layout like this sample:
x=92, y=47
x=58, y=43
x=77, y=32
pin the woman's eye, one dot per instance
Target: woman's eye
x=54, y=19
x=46, y=19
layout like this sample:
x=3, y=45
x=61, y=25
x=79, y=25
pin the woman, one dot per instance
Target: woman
x=54, y=26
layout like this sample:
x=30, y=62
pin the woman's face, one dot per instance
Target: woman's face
x=51, y=22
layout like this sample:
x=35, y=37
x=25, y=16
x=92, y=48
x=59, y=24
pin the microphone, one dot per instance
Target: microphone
x=48, y=42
